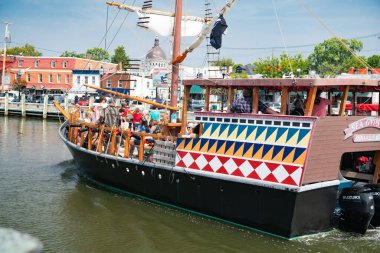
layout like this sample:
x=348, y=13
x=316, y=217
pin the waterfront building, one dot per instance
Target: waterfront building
x=52, y=75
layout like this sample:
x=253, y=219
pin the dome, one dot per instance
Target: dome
x=156, y=52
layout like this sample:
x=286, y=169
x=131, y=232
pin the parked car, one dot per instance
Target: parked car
x=196, y=105
x=12, y=95
x=276, y=106
x=83, y=101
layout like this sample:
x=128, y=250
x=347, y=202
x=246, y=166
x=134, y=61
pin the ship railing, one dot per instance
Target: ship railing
x=108, y=140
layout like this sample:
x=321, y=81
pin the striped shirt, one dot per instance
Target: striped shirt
x=244, y=105
x=111, y=117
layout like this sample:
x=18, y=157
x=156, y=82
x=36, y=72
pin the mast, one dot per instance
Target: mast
x=7, y=37
x=176, y=50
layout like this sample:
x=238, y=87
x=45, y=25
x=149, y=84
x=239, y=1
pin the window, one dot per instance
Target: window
x=64, y=64
x=147, y=85
x=86, y=79
x=108, y=83
x=67, y=79
x=20, y=62
x=135, y=85
x=28, y=77
x=40, y=78
x=93, y=80
x=78, y=79
x=59, y=78
x=50, y=78
x=36, y=63
x=53, y=64
x=120, y=84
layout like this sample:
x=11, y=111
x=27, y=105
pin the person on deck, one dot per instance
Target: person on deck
x=299, y=108
x=189, y=131
x=320, y=104
x=244, y=105
x=137, y=117
x=154, y=114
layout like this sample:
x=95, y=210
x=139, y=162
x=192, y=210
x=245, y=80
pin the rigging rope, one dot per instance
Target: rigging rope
x=333, y=34
x=282, y=35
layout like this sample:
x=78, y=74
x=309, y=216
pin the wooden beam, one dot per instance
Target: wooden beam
x=284, y=100
x=207, y=99
x=329, y=107
x=230, y=98
x=142, y=146
x=127, y=143
x=113, y=141
x=344, y=100
x=354, y=104
x=89, y=138
x=99, y=148
x=82, y=135
x=310, y=100
x=376, y=161
x=185, y=105
x=378, y=112
x=255, y=99
x=146, y=101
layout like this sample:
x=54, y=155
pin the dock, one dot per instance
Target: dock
x=23, y=108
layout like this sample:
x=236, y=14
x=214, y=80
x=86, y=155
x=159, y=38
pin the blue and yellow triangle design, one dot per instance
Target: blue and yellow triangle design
x=264, y=134
x=267, y=152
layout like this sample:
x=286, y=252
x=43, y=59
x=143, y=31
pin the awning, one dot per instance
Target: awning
x=195, y=89
x=364, y=107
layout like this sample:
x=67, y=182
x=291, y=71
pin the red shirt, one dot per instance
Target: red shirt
x=126, y=112
x=137, y=117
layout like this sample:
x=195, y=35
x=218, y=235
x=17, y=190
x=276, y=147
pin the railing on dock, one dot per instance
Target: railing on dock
x=23, y=108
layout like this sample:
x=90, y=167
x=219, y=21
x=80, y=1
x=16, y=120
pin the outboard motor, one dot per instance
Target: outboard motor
x=357, y=209
x=375, y=190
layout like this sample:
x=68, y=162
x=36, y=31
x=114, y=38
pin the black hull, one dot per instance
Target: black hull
x=284, y=213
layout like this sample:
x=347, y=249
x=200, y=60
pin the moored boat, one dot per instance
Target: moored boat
x=277, y=173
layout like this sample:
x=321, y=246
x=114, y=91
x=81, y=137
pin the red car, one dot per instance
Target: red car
x=83, y=101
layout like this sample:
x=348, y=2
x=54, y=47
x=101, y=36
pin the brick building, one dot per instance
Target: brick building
x=49, y=74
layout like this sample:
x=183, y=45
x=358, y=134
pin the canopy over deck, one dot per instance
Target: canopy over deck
x=293, y=83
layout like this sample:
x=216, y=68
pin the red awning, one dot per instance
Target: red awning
x=364, y=107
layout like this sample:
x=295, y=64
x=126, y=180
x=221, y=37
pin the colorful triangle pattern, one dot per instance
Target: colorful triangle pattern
x=263, y=134
x=244, y=168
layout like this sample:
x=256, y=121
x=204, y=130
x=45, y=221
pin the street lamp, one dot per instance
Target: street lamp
x=224, y=70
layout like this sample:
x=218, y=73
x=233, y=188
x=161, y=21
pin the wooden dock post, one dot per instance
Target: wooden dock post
x=6, y=104
x=44, y=111
x=23, y=105
x=66, y=103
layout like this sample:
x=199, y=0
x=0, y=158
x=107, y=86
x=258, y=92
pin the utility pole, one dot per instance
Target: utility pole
x=7, y=39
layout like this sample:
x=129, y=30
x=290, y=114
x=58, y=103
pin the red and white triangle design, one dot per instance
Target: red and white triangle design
x=258, y=170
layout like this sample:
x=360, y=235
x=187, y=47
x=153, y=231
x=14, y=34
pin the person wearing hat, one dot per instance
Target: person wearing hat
x=189, y=131
x=244, y=105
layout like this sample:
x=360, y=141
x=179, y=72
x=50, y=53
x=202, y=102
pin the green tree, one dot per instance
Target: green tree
x=98, y=54
x=72, y=54
x=374, y=61
x=269, y=67
x=26, y=50
x=332, y=58
x=120, y=56
x=19, y=85
x=290, y=64
x=228, y=62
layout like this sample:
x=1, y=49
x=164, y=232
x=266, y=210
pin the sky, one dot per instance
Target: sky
x=54, y=26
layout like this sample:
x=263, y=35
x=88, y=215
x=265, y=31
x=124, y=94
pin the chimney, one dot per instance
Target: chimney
x=119, y=66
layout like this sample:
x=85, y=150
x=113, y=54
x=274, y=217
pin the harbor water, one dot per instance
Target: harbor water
x=41, y=194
